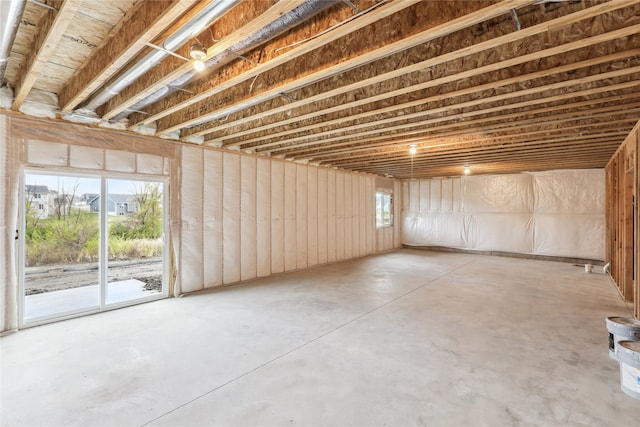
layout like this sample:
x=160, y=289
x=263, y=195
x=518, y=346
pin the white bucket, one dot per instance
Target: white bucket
x=621, y=329
x=588, y=268
x=629, y=357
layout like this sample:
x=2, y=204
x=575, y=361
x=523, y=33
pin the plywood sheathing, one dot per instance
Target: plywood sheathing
x=621, y=56
x=52, y=26
x=128, y=39
x=379, y=80
x=301, y=40
x=225, y=30
x=405, y=29
x=569, y=33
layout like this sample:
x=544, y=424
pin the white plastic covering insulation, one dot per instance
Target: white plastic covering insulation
x=347, y=216
x=277, y=217
x=322, y=232
x=302, y=216
x=248, y=219
x=263, y=217
x=260, y=216
x=212, y=217
x=387, y=238
x=340, y=226
x=40, y=104
x=192, y=206
x=44, y=153
x=231, y=216
x=331, y=216
x=8, y=225
x=557, y=213
x=6, y=97
x=290, y=226
x=312, y=216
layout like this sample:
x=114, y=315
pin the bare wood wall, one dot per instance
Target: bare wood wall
x=622, y=248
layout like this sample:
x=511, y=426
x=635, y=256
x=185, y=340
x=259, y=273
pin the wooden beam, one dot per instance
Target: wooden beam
x=145, y=24
x=207, y=112
x=521, y=144
x=429, y=84
x=474, y=153
x=333, y=150
x=157, y=112
x=494, y=125
x=115, y=107
x=51, y=29
x=448, y=96
x=460, y=53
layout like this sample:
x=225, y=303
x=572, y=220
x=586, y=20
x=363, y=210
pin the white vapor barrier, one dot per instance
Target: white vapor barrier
x=8, y=225
x=569, y=191
x=340, y=232
x=312, y=215
x=555, y=213
x=301, y=216
x=369, y=224
x=558, y=235
x=192, y=212
x=499, y=193
x=248, y=223
x=348, y=216
x=231, y=217
x=504, y=232
x=246, y=216
x=212, y=230
x=397, y=222
x=277, y=217
x=332, y=222
x=120, y=161
x=86, y=157
x=323, y=176
x=435, y=229
x=290, y=226
x=263, y=217
x=47, y=153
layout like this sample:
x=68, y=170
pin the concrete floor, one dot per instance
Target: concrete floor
x=405, y=338
x=83, y=298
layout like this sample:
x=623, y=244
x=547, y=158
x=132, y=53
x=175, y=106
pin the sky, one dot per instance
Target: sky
x=85, y=185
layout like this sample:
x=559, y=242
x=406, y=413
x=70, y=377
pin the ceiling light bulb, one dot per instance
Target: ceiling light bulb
x=198, y=52
x=198, y=65
x=467, y=170
x=412, y=149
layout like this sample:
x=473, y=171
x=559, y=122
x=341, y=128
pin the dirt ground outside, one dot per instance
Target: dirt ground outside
x=57, y=277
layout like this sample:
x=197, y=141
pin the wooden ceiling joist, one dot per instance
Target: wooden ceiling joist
x=149, y=20
x=451, y=96
x=210, y=111
x=157, y=112
x=330, y=148
x=460, y=53
x=53, y=25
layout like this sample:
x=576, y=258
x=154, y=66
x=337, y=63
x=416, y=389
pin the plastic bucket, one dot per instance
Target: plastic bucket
x=629, y=357
x=621, y=329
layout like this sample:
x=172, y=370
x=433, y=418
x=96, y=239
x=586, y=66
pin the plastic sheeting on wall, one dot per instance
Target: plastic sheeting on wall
x=245, y=217
x=557, y=213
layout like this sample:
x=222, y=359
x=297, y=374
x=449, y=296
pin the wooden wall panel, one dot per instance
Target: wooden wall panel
x=622, y=220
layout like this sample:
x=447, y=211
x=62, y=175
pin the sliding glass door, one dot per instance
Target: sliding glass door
x=135, y=228
x=61, y=246
x=90, y=243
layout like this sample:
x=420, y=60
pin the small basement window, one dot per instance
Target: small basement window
x=384, y=209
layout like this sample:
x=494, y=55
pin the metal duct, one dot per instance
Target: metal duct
x=284, y=23
x=185, y=33
x=10, y=17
